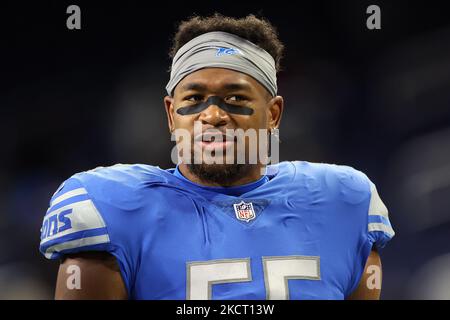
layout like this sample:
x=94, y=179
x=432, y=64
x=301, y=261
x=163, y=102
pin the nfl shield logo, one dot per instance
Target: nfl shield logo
x=244, y=211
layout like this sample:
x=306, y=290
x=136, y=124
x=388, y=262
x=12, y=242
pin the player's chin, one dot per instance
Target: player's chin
x=219, y=172
x=218, y=165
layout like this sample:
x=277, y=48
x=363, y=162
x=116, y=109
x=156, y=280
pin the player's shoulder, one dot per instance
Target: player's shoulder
x=123, y=186
x=345, y=185
x=126, y=175
x=330, y=171
x=346, y=182
x=116, y=180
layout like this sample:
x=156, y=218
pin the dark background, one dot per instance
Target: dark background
x=377, y=100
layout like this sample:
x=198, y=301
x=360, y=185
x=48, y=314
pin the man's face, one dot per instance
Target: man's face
x=236, y=89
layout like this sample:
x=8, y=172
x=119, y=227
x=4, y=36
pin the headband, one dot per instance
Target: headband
x=223, y=50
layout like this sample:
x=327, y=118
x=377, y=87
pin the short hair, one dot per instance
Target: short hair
x=256, y=30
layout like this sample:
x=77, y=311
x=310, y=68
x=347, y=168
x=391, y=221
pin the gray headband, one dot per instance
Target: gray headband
x=223, y=50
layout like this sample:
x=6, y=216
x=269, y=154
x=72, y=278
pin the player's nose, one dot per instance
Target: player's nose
x=215, y=116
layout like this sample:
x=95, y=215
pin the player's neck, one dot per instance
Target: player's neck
x=253, y=175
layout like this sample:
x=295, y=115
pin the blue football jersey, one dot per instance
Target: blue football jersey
x=305, y=233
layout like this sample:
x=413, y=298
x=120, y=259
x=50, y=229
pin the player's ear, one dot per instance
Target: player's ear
x=168, y=103
x=275, y=110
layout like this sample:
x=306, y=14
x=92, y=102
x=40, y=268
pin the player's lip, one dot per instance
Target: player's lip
x=211, y=135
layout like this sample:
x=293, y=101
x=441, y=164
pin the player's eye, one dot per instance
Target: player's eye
x=236, y=98
x=194, y=98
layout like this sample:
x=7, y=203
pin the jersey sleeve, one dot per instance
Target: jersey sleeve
x=72, y=223
x=371, y=225
x=379, y=228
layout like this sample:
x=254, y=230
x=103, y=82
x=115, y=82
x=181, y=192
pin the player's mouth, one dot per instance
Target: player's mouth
x=214, y=139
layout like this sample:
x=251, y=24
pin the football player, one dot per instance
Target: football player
x=217, y=229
